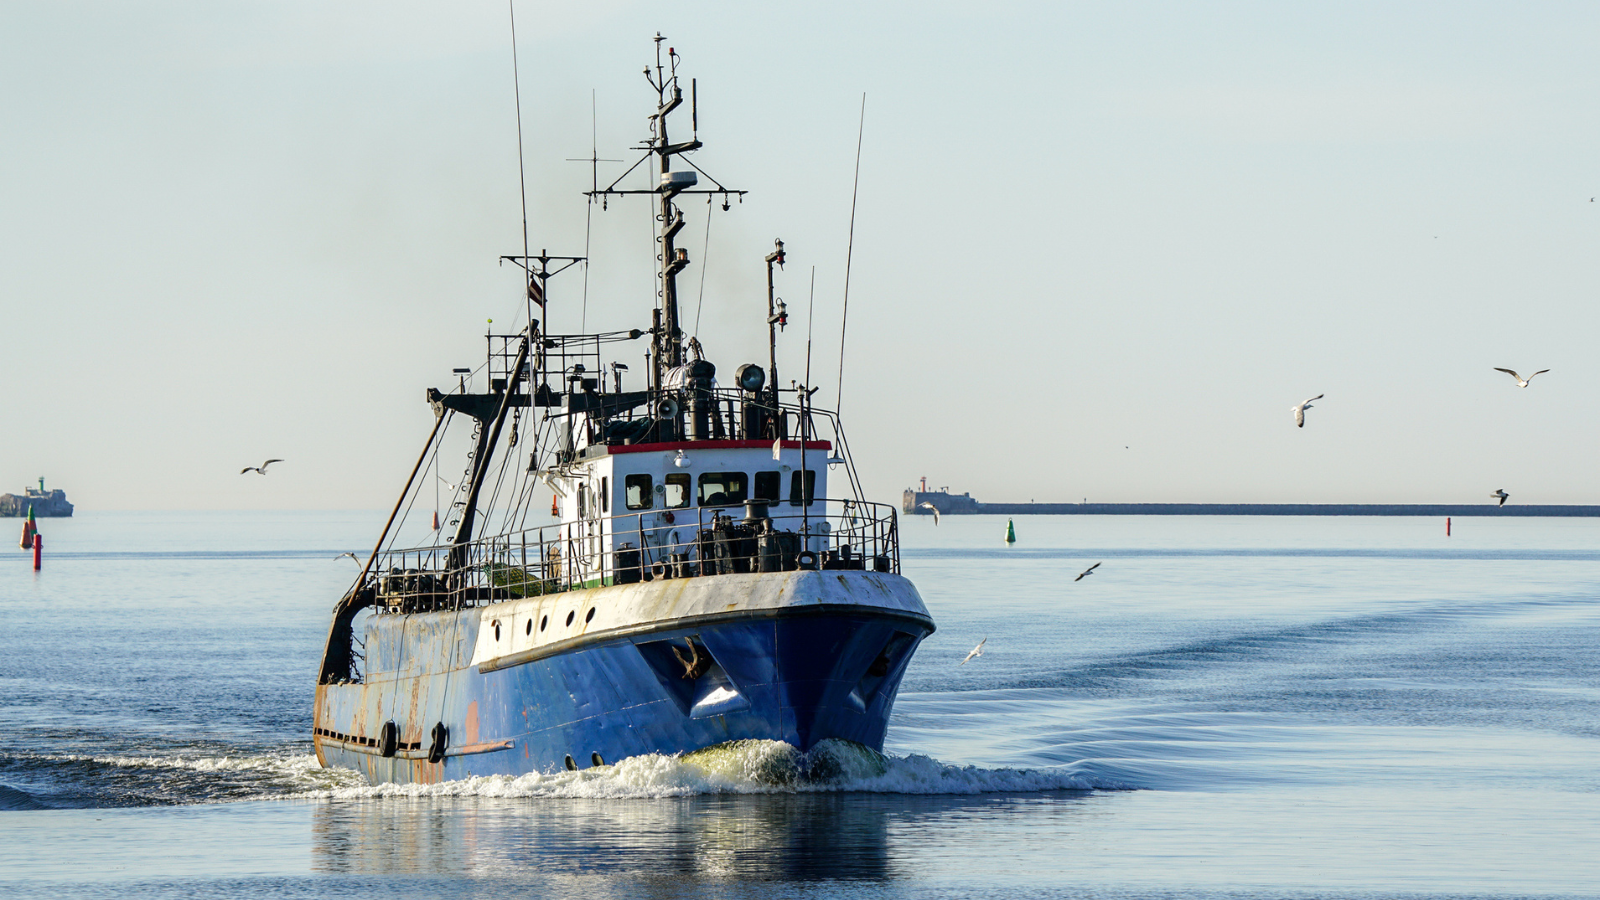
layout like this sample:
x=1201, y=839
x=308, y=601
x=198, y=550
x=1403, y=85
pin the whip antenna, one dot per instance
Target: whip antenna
x=850, y=248
x=588, y=213
x=522, y=172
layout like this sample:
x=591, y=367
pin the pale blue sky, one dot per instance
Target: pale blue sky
x=233, y=231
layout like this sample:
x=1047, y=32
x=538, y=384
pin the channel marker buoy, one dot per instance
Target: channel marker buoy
x=1011, y=532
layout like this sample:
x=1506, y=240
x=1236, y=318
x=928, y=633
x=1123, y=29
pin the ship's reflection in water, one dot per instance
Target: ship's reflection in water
x=764, y=837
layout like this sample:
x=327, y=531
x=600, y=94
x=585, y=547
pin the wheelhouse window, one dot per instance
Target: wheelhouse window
x=810, y=490
x=639, y=491
x=605, y=493
x=676, y=495
x=723, y=488
x=769, y=486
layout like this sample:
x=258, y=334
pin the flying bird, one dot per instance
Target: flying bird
x=976, y=652
x=1086, y=572
x=926, y=505
x=1300, y=411
x=1521, y=382
x=351, y=555
x=261, y=469
x=1502, y=495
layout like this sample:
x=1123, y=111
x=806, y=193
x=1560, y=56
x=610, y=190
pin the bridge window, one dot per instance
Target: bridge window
x=810, y=488
x=640, y=490
x=677, y=493
x=605, y=493
x=769, y=486
x=723, y=488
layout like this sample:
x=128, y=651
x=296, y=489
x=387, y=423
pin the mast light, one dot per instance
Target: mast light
x=750, y=377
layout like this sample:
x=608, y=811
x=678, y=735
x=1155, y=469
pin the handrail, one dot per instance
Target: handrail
x=642, y=545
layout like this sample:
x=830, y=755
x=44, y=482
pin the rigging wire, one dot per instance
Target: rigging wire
x=850, y=249
x=437, y=441
x=700, y=302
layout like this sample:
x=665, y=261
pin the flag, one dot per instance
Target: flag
x=536, y=291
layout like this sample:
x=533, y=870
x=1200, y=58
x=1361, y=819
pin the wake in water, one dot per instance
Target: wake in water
x=746, y=767
x=740, y=767
x=178, y=776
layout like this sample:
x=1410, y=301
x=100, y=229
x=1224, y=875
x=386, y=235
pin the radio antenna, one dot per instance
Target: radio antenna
x=588, y=213
x=522, y=170
x=850, y=250
x=805, y=413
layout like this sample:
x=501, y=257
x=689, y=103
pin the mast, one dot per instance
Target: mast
x=669, y=96
x=777, y=318
x=488, y=438
x=666, y=326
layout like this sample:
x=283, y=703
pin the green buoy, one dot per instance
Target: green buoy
x=1011, y=533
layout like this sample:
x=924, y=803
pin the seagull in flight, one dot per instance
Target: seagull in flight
x=1087, y=571
x=1502, y=495
x=1300, y=411
x=351, y=555
x=261, y=469
x=1521, y=382
x=926, y=505
x=976, y=652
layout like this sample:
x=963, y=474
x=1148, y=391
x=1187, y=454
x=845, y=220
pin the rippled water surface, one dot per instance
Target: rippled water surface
x=1227, y=707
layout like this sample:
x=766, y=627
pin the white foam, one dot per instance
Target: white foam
x=295, y=771
x=745, y=767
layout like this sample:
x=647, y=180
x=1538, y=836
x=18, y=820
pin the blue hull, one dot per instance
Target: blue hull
x=799, y=675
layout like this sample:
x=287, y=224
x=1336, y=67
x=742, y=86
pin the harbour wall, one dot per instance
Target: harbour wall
x=51, y=504
x=964, y=504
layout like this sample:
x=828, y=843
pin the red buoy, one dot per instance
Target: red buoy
x=38, y=551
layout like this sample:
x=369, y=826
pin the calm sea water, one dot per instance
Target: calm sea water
x=1228, y=707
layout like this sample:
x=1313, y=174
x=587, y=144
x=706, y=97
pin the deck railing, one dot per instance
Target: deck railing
x=651, y=545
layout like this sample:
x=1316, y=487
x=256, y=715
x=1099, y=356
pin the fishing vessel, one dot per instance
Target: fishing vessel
x=711, y=571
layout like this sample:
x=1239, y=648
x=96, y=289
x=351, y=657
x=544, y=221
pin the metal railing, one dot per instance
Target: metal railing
x=648, y=545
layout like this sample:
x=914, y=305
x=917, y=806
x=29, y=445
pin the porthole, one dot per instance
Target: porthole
x=590, y=617
x=496, y=624
x=570, y=616
x=543, y=621
x=571, y=766
x=596, y=759
x=529, y=629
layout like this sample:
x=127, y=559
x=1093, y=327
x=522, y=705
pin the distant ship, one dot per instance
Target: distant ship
x=46, y=504
x=703, y=584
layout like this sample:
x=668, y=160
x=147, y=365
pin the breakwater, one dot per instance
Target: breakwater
x=45, y=504
x=964, y=504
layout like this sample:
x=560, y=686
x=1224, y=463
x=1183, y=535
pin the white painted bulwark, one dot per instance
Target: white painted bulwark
x=658, y=604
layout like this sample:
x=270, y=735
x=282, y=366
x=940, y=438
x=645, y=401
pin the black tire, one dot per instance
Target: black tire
x=389, y=739
x=441, y=741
